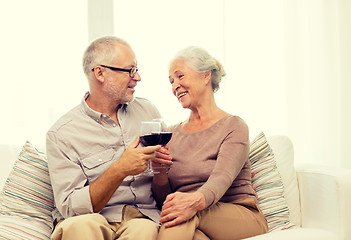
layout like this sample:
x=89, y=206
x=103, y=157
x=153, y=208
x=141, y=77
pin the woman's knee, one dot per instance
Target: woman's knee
x=138, y=228
x=184, y=231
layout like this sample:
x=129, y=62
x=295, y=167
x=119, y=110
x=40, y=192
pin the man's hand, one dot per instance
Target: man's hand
x=180, y=207
x=135, y=160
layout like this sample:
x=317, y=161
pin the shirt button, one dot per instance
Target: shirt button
x=114, y=125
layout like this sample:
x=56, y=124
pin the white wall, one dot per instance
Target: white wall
x=240, y=37
x=158, y=33
x=41, y=48
x=344, y=20
x=254, y=46
x=318, y=80
x=287, y=63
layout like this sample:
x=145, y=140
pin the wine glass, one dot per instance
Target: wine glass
x=165, y=134
x=165, y=137
x=150, y=136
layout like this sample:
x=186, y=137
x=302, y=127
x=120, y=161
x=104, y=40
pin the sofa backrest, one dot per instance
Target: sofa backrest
x=284, y=155
x=8, y=155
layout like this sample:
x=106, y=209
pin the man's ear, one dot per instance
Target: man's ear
x=98, y=73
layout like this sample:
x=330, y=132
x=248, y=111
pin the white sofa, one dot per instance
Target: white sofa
x=318, y=197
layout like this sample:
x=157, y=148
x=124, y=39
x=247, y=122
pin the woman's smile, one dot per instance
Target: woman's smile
x=181, y=94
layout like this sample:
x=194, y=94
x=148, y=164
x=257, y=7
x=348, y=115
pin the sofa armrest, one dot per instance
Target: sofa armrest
x=324, y=197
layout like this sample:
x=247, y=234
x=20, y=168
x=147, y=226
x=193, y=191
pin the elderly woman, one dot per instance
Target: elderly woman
x=207, y=193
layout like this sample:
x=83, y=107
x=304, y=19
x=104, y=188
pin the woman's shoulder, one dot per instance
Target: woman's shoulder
x=234, y=119
x=172, y=127
x=236, y=123
x=227, y=123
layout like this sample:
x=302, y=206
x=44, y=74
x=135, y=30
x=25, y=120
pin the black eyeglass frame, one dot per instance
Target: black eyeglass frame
x=132, y=71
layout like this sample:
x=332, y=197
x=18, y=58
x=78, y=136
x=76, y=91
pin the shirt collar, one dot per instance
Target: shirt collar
x=97, y=115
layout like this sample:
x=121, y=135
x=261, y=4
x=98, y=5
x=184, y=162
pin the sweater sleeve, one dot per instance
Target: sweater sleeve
x=232, y=156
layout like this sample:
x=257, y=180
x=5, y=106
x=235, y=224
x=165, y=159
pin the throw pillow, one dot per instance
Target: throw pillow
x=27, y=193
x=268, y=185
x=13, y=227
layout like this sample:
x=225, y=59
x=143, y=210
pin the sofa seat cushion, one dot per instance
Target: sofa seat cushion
x=297, y=233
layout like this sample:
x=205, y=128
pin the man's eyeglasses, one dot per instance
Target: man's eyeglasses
x=132, y=71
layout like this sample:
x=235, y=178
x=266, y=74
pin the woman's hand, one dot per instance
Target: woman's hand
x=180, y=207
x=162, y=157
x=162, y=162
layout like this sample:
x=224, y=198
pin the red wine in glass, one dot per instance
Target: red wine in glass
x=165, y=137
x=155, y=139
x=149, y=136
x=150, y=139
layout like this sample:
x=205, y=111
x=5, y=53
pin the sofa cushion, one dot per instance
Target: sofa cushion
x=268, y=185
x=13, y=227
x=297, y=233
x=27, y=192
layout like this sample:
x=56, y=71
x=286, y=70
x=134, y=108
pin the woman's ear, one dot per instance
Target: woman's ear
x=207, y=77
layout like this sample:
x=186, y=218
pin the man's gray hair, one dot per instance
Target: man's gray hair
x=100, y=51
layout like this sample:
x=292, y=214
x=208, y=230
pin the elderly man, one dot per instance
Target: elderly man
x=95, y=164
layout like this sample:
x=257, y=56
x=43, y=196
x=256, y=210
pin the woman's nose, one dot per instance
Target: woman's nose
x=175, y=86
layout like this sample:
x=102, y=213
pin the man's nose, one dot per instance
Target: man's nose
x=136, y=77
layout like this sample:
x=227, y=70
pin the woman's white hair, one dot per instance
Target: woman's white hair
x=202, y=62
